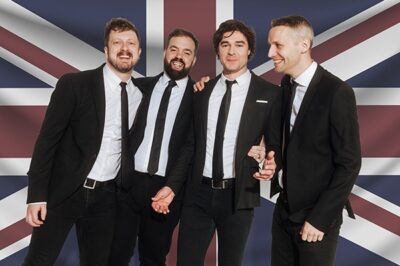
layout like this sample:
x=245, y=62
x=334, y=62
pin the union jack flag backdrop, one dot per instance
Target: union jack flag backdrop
x=359, y=41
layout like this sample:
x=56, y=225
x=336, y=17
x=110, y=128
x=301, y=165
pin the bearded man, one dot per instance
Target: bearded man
x=157, y=138
x=79, y=154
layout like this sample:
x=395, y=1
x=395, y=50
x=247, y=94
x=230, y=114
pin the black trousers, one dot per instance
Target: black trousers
x=93, y=213
x=136, y=219
x=212, y=210
x=288, y=249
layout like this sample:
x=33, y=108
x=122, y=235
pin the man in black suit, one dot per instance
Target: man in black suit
x=156, y=142
x=233, y=112
x=77, y=156
x=321, y=150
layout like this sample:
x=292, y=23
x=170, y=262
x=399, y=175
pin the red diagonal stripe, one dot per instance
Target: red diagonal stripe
x=379, y=123
x=19, y=130
x=375, y=214
x=349, y=38
x=14, y=232
x=33, y=54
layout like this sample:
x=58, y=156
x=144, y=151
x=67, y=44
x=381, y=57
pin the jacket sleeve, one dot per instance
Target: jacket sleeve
x=179, y=171
x=345, y=145
x=273, y=136
x=56, y=120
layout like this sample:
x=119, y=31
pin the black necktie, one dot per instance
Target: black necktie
x=286, y=137
x=154, y=159
x=124, y=135
x=218, y=166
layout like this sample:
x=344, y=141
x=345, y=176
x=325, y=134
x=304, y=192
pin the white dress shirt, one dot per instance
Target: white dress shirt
x=303, y=82
x=143, y=153
x=108, y=160
x=239, y=94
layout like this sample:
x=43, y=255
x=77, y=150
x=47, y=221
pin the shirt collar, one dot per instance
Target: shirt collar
x=112, y=78
x=181, y=83
x=242, y=80
x=305, y=78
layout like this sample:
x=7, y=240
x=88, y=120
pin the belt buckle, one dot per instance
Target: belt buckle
x=222, y=186
x=85, y=185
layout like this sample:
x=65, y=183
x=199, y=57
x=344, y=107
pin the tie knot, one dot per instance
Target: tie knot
x=171, y=83
x=229, y=83
x=123, y=85
x=293, y=85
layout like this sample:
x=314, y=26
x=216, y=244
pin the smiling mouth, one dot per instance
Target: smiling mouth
x=177, y=64
x=277, y=61
x=124, y=55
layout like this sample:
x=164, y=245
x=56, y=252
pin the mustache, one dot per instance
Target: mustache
x=126, y=53
x=177, y=60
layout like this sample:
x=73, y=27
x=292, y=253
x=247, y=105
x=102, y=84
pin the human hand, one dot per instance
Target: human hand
x=258, y=152
x=199, y=85
x=268, y=169
x=36, y=214
x=162, y=200
x=310, y=234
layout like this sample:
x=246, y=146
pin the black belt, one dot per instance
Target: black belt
x=93, y=184
x=219, y=184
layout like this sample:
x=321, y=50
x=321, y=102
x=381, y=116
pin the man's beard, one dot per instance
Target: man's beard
x=122, y=67
x=176, y=74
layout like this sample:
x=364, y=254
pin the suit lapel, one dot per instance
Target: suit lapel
x=205, y=98
x=185, y=102
x=139, y=126
x=305, y=104
x=99, y=96
x=247, y=113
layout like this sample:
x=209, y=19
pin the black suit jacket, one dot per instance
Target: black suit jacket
x=258, y=119
x=69, y=139
x=323, y=154
x=182, y=122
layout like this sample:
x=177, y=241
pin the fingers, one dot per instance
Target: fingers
x=163, y=193
x=160, y=207
x=162, y=200
x=264, y=175
x=262, y=142
x=199, y=85
x=43, y=213
x=271, y=155
x=311, y=234
x=36, y=214
x=257, y=152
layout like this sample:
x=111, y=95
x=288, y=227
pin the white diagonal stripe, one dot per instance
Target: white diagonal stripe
x=25, y=96
x=14, y=166
x=28, y=67
x=154, y=37
x=49, y=37
x=380, y=166
x=15, y=247
x=378, y=201
x=377, y=96
x=365, y=54
x=338, y=29
x=13, y=208
x=371, y=237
